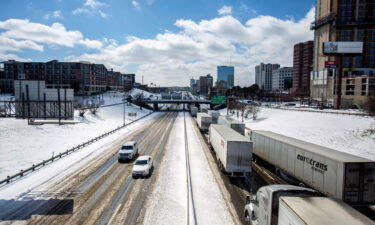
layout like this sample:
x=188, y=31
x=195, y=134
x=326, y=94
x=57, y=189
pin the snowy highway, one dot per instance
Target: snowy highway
x=184, y=188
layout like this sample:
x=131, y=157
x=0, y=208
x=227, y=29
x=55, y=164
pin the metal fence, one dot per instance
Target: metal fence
x=8, y=179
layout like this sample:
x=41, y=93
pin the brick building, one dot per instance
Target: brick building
x=302, y=65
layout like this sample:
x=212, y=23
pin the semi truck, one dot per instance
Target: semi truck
x=233, y=151
x=232, y=123
x=204, y=121
x=333, y=173
x=294, y=205
x=193, y=111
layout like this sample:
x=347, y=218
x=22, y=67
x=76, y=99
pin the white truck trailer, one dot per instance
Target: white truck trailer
x=232, y=123
x=204, y=121
x=214, y=114
x=318, y=211
x=233, y=151
x=333, y=173
x=193, y=111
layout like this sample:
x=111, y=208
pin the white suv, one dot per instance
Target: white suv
x=142, y=167
x=128, y=151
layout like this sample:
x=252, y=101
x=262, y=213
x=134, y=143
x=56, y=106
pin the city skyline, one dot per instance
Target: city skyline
x=167, y=51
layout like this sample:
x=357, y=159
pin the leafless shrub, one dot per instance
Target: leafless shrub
x=82, y=108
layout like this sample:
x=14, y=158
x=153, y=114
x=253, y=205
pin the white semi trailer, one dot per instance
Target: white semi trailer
x=294, y=205
x=233, y=151
x=214, y=114
x=232, y=123
x=204, y=121
x=318, y=211
x=333, y=173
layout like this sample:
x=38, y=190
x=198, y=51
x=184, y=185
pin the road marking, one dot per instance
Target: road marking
x=114, y=214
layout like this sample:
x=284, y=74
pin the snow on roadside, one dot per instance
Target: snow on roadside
x=340, y=132
x=40, y=180
x=167, y=204
x=22, y=145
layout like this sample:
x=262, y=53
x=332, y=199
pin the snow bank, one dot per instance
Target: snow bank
x=345, y=133
x=146, y=94
x=22, y=145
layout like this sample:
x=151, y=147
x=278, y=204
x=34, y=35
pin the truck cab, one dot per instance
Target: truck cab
x=263, y=208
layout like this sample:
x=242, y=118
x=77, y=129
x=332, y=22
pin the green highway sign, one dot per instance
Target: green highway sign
x=217, y=100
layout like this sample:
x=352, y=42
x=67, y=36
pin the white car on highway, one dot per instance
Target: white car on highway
x=128, y=151
x=142, y=166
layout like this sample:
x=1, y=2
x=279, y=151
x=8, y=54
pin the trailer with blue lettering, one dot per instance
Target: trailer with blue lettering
x=331, y=172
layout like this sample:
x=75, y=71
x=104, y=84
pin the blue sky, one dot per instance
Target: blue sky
x=158, y=39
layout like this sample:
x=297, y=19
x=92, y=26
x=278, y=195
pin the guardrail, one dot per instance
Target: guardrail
x=321, y=111
x=65, y=153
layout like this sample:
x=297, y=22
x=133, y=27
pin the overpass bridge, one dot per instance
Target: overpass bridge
x=196, y=102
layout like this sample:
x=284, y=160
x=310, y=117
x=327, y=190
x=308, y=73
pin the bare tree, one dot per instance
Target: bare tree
x=369, y=106
x=241, y=107
x=82, y=108
x=94, y=107
x=253, y=110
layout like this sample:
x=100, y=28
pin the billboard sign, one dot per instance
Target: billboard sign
x=330, y=64
x=350, y=47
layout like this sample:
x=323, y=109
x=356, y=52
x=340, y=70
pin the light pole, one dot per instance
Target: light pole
x=124, y=113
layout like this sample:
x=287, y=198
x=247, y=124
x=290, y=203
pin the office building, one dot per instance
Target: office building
x=205, y=84
x=341, y=21
x=226, y=74
x=302, y=66
x=263, y=75
x=282, y=79
x=84, y=78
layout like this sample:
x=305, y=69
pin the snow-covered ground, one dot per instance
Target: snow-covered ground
x=108, y=98
x=22, y=145
x=167, y=204
x=146, y=94
x=345, y=133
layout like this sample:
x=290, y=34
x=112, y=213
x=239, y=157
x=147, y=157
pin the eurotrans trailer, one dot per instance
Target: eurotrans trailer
x=233, y=150
x=333, y=173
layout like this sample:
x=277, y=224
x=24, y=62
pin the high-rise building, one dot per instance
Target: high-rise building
x=282, y=79
x=302, y=65
x=226, y=73
x=263, y=75
x=205, y=84
x=341, y=21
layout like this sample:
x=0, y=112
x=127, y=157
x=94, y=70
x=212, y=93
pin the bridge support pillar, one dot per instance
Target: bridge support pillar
x=156, y=106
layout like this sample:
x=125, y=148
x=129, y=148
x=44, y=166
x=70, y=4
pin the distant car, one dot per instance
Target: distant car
x=290, y=104
x=142, y=167
x=128, y=151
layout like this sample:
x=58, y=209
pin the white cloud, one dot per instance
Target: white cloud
x=91, y=7
x=171, y=58
x=225, y=10
x=136, y=4
x=53, y=15
x=22, y=34
x=94, y=4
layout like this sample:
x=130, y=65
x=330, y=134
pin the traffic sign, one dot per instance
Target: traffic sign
x=217, y=100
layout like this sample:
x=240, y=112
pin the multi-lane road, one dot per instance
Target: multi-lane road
x=185, y=186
